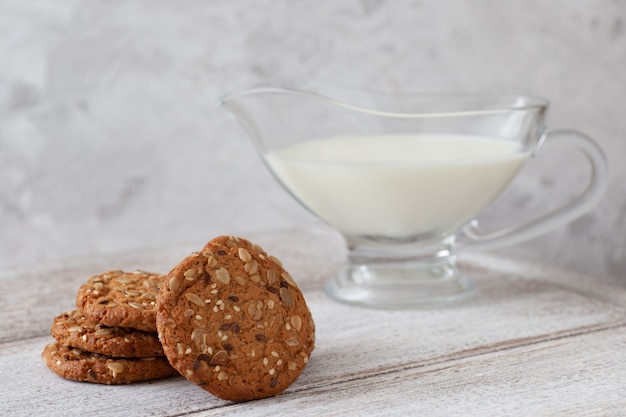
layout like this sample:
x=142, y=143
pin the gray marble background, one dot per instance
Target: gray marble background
x=109, y=139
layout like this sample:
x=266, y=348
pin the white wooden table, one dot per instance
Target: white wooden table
x=531, y=342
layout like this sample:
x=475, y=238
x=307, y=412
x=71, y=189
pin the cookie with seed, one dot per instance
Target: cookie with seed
x=234, y=322
x=121, y=299
x=78, y=365
x=76, y=330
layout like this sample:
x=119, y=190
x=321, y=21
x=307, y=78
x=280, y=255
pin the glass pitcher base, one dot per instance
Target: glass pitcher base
x=399, y=286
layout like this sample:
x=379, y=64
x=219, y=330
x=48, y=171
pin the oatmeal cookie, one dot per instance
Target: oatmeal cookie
x=121, y=299
x=75, y=330
x=234, y=322
x=78, y=365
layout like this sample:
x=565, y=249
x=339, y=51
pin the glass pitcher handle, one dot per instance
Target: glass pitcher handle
x=598, y=182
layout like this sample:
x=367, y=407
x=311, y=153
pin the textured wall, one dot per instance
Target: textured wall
x=109, y=139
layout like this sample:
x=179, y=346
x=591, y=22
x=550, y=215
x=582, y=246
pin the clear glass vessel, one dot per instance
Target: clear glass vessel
x=402, y=177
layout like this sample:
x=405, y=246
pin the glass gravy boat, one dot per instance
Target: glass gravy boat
x=402, y=177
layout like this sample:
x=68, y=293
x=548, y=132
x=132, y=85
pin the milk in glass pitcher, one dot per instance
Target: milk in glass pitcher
x=403, y=176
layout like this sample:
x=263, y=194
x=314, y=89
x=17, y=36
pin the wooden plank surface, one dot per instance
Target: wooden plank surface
x=552, y=378
x=530, y=342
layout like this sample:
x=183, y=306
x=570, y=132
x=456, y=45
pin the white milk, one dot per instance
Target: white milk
x=397, y=185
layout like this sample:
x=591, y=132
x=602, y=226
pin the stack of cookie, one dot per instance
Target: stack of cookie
x=111, y=338
x=229, y=318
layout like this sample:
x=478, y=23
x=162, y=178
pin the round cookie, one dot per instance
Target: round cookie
x=78, y=365
x=234, y=322
x=76, y=330
x=121, y=299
